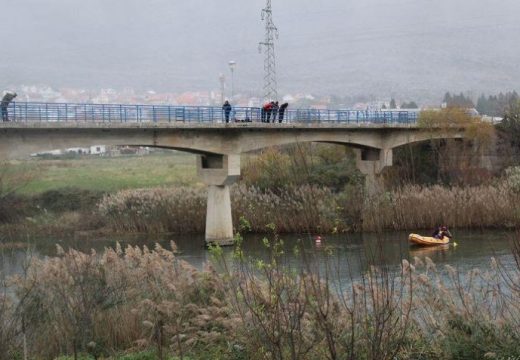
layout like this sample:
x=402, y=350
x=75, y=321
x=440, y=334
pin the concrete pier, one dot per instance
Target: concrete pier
x=219, y=222
x=219, y=172
x=371, y=163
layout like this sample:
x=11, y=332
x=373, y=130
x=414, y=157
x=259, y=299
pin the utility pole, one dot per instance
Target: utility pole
x=222, y=80
x=271, y=32
x=232, y=65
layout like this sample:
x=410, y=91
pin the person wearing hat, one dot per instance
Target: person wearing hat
x=6, y=100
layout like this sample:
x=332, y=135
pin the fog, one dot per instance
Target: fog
x=407, y=48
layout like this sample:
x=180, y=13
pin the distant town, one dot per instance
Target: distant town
x=488, y=105
x=34, y=93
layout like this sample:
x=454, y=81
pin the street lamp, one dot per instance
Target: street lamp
x=232, y=65
x=222, y=79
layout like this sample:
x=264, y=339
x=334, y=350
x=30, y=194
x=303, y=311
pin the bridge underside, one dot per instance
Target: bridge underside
x=219, y=150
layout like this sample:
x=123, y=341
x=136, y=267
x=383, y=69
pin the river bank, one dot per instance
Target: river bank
x=297, y=209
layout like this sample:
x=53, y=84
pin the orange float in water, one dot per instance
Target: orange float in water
x=427, y=240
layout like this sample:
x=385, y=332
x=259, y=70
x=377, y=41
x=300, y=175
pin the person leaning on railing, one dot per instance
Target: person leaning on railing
x=6, y=100
x=281, y=112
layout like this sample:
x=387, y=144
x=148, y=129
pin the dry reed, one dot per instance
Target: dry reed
x=416, y=207
x=135, y=298
x=313, y=209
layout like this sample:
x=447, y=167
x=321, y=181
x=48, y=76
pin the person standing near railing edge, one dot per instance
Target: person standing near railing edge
x=281, y=112
x=6, y=100
x=227, y=110
x=266, y=111
x=275, y=111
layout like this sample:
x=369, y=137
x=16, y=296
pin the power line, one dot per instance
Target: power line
x=271, y=32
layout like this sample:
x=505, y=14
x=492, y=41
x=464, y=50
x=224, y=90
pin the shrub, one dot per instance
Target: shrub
x=69, y=199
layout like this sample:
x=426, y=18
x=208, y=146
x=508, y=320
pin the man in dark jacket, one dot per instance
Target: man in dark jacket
x=227, y=110
x=6, y=100
x=281, y=112
x=275, y=111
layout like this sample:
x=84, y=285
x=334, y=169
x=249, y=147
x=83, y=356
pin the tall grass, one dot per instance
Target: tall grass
x=140, y=299
x=414, y=207
x=183, y=210
x=117, y=300
x=178, y=210
x=315, y=209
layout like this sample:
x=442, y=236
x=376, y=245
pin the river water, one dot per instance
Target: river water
x=352, y=254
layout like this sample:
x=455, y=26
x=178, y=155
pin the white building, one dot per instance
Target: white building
x=98, y=149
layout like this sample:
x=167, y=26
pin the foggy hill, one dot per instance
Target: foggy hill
x=408, y=48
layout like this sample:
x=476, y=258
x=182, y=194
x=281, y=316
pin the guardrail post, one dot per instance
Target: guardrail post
x=169, y=113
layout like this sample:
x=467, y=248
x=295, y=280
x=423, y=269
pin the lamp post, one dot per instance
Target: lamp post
x=232, y=65
x=222, y=80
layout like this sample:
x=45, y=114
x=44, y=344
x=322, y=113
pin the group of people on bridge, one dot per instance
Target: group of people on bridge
x=270, y=112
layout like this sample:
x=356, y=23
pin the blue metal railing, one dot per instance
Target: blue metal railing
x=64, y=112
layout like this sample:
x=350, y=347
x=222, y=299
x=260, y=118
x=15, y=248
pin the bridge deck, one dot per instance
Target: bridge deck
x=195, y=126
x=123, y=113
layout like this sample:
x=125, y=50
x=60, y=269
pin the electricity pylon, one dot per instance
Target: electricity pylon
x=271, y=32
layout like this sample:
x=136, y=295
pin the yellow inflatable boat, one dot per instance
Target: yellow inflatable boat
x=427, y=241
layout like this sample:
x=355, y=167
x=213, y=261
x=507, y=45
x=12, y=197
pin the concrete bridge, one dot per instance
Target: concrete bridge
x=218, y=147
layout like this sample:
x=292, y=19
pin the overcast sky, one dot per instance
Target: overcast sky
x=404, y=48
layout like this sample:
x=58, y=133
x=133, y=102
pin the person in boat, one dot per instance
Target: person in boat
x=445, y=232
x=440, y=232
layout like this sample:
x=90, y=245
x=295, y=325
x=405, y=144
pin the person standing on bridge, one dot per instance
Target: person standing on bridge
x=227, y=110
x=6, y=100
x=266, y=112
x=275, y=111
x=281, y=112
x=270, y=111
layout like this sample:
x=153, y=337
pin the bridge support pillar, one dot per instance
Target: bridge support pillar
x=371, y=163
x=218, y=172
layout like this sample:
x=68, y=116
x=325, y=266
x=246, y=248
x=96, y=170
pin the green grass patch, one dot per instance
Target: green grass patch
x=106, y=174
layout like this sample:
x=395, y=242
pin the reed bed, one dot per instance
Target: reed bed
x=183, y=210
x=160, y=210
x=314, y=209
x=416, y=207
x=141, y=299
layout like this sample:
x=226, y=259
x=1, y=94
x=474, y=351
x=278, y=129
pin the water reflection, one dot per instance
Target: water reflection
x=352, y=254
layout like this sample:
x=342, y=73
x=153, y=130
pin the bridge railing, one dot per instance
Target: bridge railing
x=70, y=112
